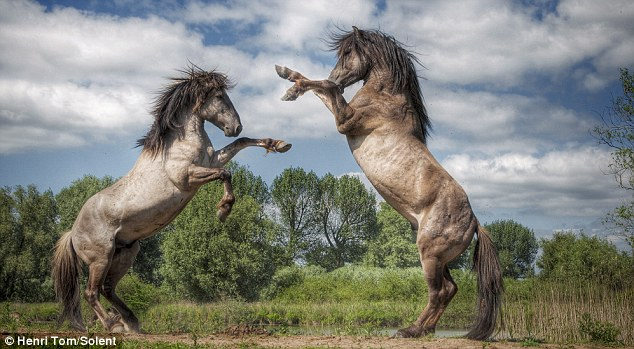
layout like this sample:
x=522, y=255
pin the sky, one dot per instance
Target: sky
x=512, y=87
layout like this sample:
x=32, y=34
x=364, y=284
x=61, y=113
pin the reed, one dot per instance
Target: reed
x=554, y=312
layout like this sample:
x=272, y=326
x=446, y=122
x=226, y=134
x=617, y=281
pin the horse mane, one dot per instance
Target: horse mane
x=381, y=49
x=186, y=93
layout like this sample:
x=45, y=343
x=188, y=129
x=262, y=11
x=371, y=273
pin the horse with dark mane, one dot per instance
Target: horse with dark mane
x=386, y=126
x=177, y=159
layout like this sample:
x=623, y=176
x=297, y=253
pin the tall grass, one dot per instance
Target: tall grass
x=554, y=312
x=353, y=298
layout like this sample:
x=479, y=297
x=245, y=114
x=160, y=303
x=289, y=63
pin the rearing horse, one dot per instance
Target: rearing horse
x=386, y=126
x=177, y=159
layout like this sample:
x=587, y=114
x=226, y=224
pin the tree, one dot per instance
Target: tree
x=516, y=246
x=295, y=193
x=568, y=257
x=346, y=221
x=617, y=132
x=27, y=230
x=395, y=243
x=205, y=259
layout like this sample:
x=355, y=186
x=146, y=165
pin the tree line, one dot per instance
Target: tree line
x=301, y=219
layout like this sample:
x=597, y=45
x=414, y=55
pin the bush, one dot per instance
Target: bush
x=599, y=331
x=138, y=295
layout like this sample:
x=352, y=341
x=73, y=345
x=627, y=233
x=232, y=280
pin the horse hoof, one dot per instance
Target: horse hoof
x=290, y=95
x=282, y=72
x=282, y=147
x=117, y=328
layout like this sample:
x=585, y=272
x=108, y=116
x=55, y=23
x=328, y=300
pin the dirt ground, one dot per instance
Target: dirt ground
x=273, y=341
x=282, y=341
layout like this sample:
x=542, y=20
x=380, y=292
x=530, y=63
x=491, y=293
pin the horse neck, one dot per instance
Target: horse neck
x=193, y=125
x=379, y=79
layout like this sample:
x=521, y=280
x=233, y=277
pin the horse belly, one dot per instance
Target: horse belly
x=146, y=215
x=397, y=170
x=139, y=205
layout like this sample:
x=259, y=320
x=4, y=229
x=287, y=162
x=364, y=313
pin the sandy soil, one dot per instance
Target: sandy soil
x=280, y=341
x=273, y=341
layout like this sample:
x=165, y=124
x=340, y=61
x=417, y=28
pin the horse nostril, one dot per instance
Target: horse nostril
x=238, y=129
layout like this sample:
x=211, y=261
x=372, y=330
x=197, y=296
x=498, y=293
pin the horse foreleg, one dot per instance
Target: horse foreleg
x=199, y=175
x=121, y=261
x=330, y=94
x=222, y=156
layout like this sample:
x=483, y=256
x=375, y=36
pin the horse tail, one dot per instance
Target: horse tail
x=490, y=286
x=67, y=273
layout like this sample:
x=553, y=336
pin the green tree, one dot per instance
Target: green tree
x=617, y=132
x=207, y=260
x=346, y=221
x=584, y=259
x=295, y=193
x=516, y=246
x=395, y=243
x=27, y=223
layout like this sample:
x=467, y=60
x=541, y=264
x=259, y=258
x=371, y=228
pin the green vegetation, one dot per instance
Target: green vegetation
x=617, y=132
x=317, y=251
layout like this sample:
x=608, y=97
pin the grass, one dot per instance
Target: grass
x=556, y=312
x=363, y=301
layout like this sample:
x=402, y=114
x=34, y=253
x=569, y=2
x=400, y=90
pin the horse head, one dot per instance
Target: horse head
x=219, y=110
x=353, y=64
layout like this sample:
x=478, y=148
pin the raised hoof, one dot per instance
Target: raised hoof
x=282, y=72
x=223, y=211
x=291, y=94
x=282, y=147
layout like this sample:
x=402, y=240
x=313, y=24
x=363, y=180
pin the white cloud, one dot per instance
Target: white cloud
x=494, y=123
x=501, y=44
x=566, y=182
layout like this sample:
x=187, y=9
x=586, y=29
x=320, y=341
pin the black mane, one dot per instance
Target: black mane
x=185, y=93
x=381, y=49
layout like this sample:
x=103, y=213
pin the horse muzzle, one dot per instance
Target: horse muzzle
x=233, y=131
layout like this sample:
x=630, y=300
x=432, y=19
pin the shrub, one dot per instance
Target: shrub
x=599, y=331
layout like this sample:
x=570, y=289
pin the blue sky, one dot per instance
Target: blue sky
x=512, y=88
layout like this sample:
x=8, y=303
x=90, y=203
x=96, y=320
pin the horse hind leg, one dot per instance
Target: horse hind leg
x=121, y=261
x=448, y=291
x=423, y=326
x=442, y=289
x=96, y=275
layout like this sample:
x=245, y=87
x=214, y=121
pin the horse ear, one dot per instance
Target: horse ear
x=356, y=31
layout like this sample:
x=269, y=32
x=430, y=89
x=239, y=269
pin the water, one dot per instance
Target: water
x=344, y=330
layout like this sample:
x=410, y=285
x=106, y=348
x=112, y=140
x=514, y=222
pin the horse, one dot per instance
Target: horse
x=177, y=158
x=386, y=125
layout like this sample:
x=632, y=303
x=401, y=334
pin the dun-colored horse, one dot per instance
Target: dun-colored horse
x=177, y=158
x=386, y=126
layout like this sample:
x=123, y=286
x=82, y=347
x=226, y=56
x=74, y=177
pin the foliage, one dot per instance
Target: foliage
x=207, y=260
x=27, y=232
x=294, y=193
x=395, y=243
x=617, y=132
x=137, y=294
x=599, y=331
x=516, y=246
x=582, y=258
x=346, y=219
